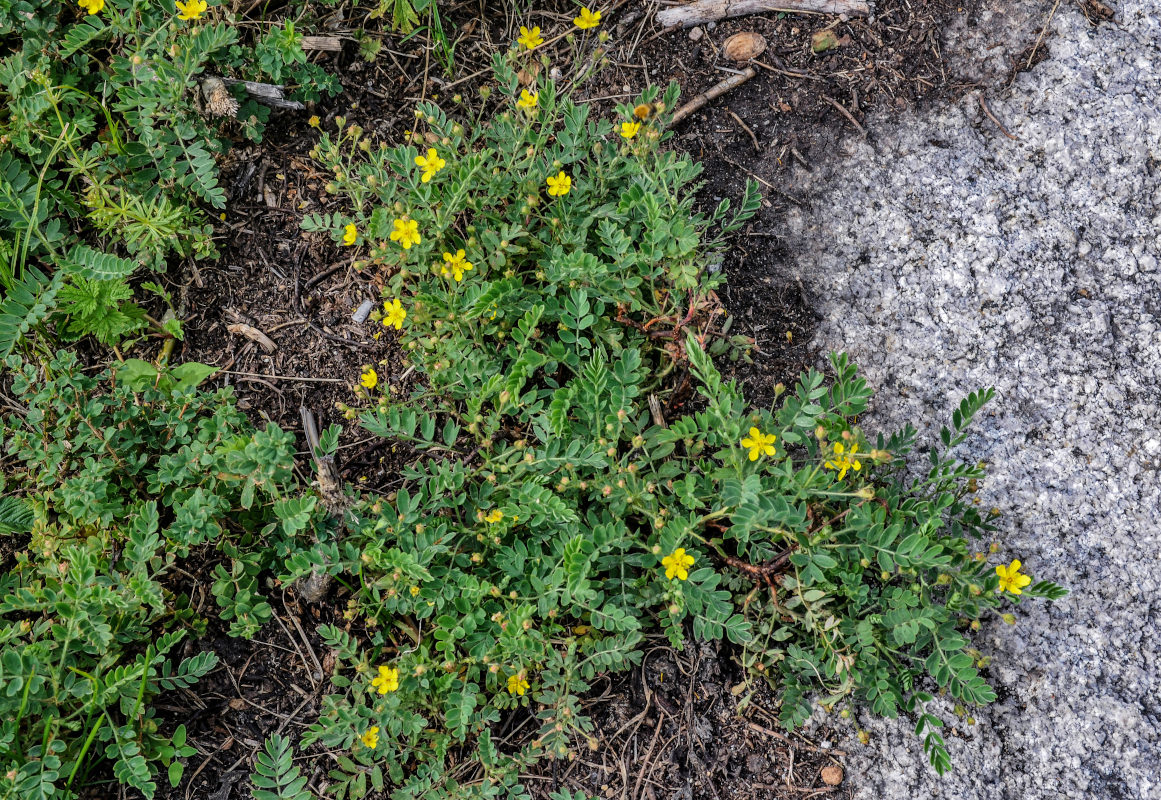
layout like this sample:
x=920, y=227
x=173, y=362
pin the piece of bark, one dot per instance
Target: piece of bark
x=716, y=90
x=267, y=94
x=700, y=12
x=332, y=43
x=254, y=335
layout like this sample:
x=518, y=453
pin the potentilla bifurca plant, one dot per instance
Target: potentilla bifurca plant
x=583, y=474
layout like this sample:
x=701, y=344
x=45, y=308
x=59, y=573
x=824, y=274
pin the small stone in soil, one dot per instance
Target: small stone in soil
x=832, y=775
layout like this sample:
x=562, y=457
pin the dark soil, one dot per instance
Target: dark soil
x=685, y=725
x=671, y=728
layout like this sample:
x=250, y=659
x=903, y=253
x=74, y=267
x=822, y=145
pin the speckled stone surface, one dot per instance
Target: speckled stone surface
x=946, y=257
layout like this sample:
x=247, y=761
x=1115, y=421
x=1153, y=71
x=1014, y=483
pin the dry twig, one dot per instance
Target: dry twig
x=846, y=114
x=715, y=91
x=992, y=117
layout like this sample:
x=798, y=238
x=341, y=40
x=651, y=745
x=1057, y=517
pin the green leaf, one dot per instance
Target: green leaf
x=94, y=265
x=190, y=375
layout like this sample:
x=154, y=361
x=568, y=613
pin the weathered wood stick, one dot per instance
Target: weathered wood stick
x=266, y=93
x=700, y=12
x=332, y=43
x=717, y=90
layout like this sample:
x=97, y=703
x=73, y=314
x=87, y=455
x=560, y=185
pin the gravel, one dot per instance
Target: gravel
x=948, y=257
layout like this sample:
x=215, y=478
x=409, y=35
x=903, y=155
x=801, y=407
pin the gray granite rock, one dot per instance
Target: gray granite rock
x=948, y=257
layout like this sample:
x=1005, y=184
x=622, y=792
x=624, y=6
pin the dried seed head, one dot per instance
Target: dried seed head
x=219, y=101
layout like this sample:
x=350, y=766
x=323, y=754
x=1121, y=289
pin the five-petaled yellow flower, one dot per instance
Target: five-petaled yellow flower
x=191, y=10
x=678, y=564
x=517, y=685
x=393, y=314
x=629, y=129
x=1010, y=578
x=558, y=185
x=371, y=737
x=455, y=265
x=350, y=234
x=528, y=100
x=530, y=38
x=494, y=516
x=431, y=164
x=759, y=444
x=406, y=233
x=843, y=460
x=387, y=681
x=91, y=6
x=314, y=121
x=587, y=19
x=369, y=379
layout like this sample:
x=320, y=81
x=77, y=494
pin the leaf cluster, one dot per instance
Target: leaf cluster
x=120, y=479
x=104, y=140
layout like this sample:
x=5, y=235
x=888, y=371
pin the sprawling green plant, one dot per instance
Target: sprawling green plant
x=584, y=474
x=109, y=132
x=121, y=477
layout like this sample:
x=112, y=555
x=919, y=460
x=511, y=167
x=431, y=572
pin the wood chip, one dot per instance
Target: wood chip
x=254, y=335
x=332, y=43
x=744, y=46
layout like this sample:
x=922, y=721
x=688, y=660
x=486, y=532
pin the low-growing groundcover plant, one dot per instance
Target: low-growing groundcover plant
x=122, y=481
x=584, y=474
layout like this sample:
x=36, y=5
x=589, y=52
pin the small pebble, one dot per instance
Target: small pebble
x=362, y=312
x=832, y=775
x=695, y=34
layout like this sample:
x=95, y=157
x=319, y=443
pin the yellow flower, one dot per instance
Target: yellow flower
x=760, y=444
x=191, y=10
x=1010, y=578
x=528, y=100
x=91, y=6
x=629, y=129
x=843, y=461
x=559, y=185
x=369, y=379
x=455, y=265
x=393, y=314
x=430, y=164
x=677, y=564
x=406, y=233
x=313, y=121
x=530, y=38
x=494, y=516
x=350, y=234
x=371, y=737
x=388, y=680
x=517, y=685
x=587, y=19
